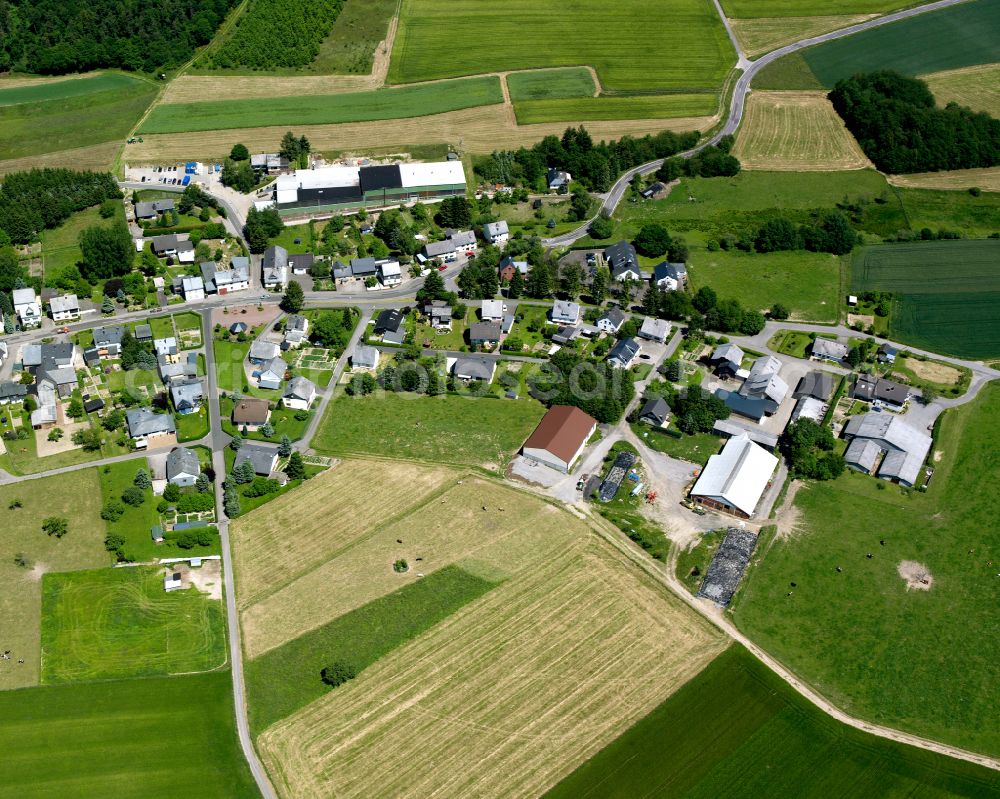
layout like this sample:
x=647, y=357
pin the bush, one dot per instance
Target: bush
x=112, y=511
x=171, y=493
x=261, y=486
x=134, y=496
x=55, y=526
x=193, y=503
x=195, y=537
x=401, y=566
x=337, y=673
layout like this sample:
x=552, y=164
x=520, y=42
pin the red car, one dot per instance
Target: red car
x=470, y=254
x=442, y=268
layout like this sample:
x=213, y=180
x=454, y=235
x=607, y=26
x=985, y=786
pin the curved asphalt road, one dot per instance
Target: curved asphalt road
x=737, y=105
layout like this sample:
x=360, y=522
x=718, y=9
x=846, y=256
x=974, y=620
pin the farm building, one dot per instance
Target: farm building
x=560, y=437
x=729, y=428
x=337, y=188
x=808, y=408
x=734, y=480
x=901, y=446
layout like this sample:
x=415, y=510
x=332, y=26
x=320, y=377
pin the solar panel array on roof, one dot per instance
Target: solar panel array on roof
x=376, y=178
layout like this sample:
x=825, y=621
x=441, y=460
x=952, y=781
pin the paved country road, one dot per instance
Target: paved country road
x=738, y=103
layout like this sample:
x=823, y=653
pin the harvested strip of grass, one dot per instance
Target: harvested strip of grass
x=550, y=83
x=288, y=678
x=612, y=108
x=411, y=101
x=65, y=88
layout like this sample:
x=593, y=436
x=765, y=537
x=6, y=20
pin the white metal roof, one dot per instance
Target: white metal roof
x=436, y=173
x=738, y=475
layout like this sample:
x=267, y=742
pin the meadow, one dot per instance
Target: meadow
x=977, y=88
x=540, y=33
x=796, y=131
x=60, y=245
x=952, y=210
x=444, y=429
x=52, y=117
x=548, y=84
x=75, y=496
x=737, y=730
x=919, y=660
x=119, y=623
x=954, y=312
x=286, y=679
x=517, y=687
x=411, y=101
x=610, y=107
x=165, y=736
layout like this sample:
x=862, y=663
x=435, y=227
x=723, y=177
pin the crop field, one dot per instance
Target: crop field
x=737, y=730
x=443, y=429
x=807, y=283
x=960, y=36
x=60, y=117
x=957, y=311
x=975, y=87
x=923, y=661
x=807, y=8
x=517, y=687
x=985, y=179
x=614, y=107
x=165, y=736
x=287, y=678
x=796, y=131
x=759, y=35
x=410, y=101
x=117, y=623
x=295, y=536
x=75, y=496
x=523, y=34
x=549, y=84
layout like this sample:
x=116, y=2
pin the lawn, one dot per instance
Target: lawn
x=281, y=681
x=953, y=311
x=192, y=426
x=737, y=730
x=694, y=448
x=807, y=283
x=289, y=234
x=282, y=419
x=454, y=339
x=945, y=378
x=922, y=661
x=74, y=496
x=548, y=84
x=445, y=429
x=106, y=112
x=229, y=359
x=540, y=33
x=410, y=101
x=118, y=623
x=796, y=343
x=132, y=739
x=693, y=104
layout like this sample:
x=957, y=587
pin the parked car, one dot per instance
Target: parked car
x=442, y=268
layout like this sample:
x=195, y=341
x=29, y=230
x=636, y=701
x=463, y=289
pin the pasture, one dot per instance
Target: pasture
x=526, y=34
x=54, y=117
x=759, y=35
x=294, y=537
x=118, y=623
x=807, y=283
x=444, y=429
x=514, y=689
x=737, y=730
x=959, y=36
x=952, y=210
x=410, y=101
x=616, y=107
x=922, y=661
x=956, y=312
x=796, y=131
x=75, y=496
x=165, y=736
x=285, y=679
x=975, y=87
x=549, y=84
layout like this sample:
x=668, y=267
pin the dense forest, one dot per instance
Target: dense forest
x=277, y=33
x=895, y=121
x=43, y=198
x=55, y=37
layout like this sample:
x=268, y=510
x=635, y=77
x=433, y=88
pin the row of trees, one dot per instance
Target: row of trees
x=896, y=122
x=59, y=36
x=596, y=166
x=713, y=161
x=831, y=233
x=704, y=311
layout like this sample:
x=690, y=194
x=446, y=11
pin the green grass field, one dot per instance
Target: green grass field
x=807, y=8
x=960, y=36
x=548, y=84
x=954, y=311
x=952, y=210
x=923, y=661
x=695, y=448
x=614, y=107
x=60, y=245
x=285, y=679
x=736, y=730
x=167, y=736
x=448, y=38
x=119, y=623
x=192, y=426
x=410, y=101
x=445, y=429
x=107, y=111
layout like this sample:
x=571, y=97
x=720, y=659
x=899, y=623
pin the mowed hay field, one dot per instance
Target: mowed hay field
x=295, y=535
x=975, y=87
x=796, y=131
x=97, y=157
x=75, y=496
x=954, y=311
x=806, y=8
x=985, y=179
x=448, y=38
x=514, y=690
x=614, y=107
x=759, y=35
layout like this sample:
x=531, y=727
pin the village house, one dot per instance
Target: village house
x=296, y=331
x=880, y=392
x=263, y=458
x=12, y=392
x=187, y=395
x=183, y=467
x=485, y=334
x=816, y=384
x=108, y=340
x=455, y=241
x=251, y=413
x=565, y=312
x=301, y=263
x=496, y=233
x=669, y=277
x=298, y=394
x=823, y=349
x=509, y=267
x=152, y=209
x=623, y=261
x=557, y=180
x=389, y=325
x=611, y=322
x=166, y=348
x=474, y=369
x=390, y=273
x=274, y=267
x=27, y=308
x=654, y=329
x=262, y=351
x=438, y=314
x=493, y=311
x=64, y=308
x=624, y=353
x=364, y=357
x=654, y=411
x=226, y=281
x=193, y=287
x=271, y=374
x=147, y=428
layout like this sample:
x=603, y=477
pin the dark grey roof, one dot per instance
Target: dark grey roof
x=143, y=332
x=624, y=351
x=485, y=331
x=187, y=393
x=655, y=408
x=182, y=460
x=275, y=257
x=363, y=266
x=615, y=316
x=815, y=384
x=262, y=457
x=143, y=422
x=93, y=405
x=106, y=336
x=340, y=270
x=622, y=257
x=664, y=269
x=752, y=408
x=388, y=320
x=301, y=260
x=474, y=368
x=13, y=391
x=300, y=388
